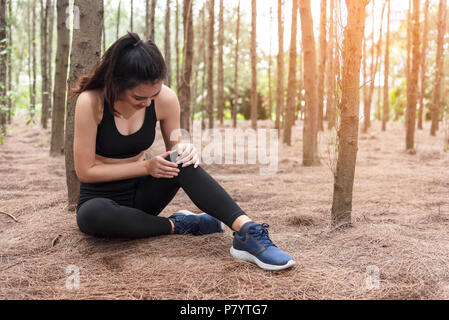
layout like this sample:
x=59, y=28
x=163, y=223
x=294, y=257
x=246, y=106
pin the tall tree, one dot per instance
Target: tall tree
x=167, y=47
x=310, y=130
x=153, y=20
x=177, y=44
x=253, y=65
x=60, y=89
x=436, y=105
x=412, y=85
x=386, y=97
x=9, y=61
x=3, y=46
x=331, y=84
x=186, y=72
x=220, y=97
x=44, y=61
x=86, y=51
x=280, y=67
x=210, y=64
x=236, y=70
x=348, y=132
x=322, y=65
x=422, y=85
x=51, y=23
x=117, y=34
x=292, y=86
x=270, y=67
x=132, y=16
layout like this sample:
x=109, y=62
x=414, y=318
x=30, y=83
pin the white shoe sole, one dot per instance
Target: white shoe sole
x=245, y=255
x=187, y=212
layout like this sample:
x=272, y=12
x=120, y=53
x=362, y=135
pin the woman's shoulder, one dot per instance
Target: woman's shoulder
x=92, y=100
x=167, y=104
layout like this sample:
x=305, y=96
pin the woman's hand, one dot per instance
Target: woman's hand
x=158, y=167
x=187, y=155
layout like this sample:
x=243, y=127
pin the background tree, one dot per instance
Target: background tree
x=310, y=131
x=3, y=52
x=86, y=51
x=254, y=65
x=167, y=47
x=186, y=72
x=386, y=89
x=412, y=85
x=436, y=105
x=210, y=64
x=280, y=67
x=45, y=9
x=348, y=132
x=322, y=64
x=422, y=84
x=60, y=88
x=220, y=97
x=292, y=86
x=331, y=84
x=236, y=70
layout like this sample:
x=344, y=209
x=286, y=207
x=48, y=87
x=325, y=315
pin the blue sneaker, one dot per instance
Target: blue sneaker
x=187, y=222
x=253, y=244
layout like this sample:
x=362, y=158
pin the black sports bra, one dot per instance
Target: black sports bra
x=112, y=144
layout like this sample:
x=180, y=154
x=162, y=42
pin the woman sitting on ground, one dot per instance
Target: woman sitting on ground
x=121, y=194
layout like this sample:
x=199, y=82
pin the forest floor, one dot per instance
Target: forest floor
x=396, y=248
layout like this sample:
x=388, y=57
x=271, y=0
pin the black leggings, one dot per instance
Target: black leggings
x=130, y=208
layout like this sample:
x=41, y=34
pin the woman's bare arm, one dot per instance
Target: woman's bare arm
x=84, y=147
x=169, y=113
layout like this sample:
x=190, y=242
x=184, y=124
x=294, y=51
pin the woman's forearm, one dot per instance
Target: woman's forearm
x=113, y=172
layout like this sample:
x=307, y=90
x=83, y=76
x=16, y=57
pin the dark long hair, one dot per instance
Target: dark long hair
x=126, y=64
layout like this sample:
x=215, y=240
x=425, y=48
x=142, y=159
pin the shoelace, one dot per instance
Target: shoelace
x=261, y=234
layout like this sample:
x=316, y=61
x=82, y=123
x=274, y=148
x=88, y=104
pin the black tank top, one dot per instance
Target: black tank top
x=112, y=144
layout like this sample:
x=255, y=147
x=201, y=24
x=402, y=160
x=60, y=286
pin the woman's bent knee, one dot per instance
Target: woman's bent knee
x=89, y=216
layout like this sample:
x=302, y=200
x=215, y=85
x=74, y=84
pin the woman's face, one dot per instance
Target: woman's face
x=140, y=96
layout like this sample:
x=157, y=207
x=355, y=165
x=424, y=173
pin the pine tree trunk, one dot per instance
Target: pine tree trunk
x=3, y=46
x=253, y=65
x=86, y=51
x=331, y=86
x=436, y=103
x=210, y=64
x=184, y=86
x=348, y=132
x=386, y=103
x=152, y=20
x=9, y=61
x=132, y=16
x=270, y=67
x=292, y=85
x=369, y=98
x=422, y=85
x=147, y=19
x=220, y=98
x=236, y=71
x=177, y=44
x=44, y=62
x=167, y=47
x=412, y=85
x=33, y=63
x=310, y=131
x=51, y=17
x=322, y=65
x=60, y=89
x=280, y=68
x=117, y=34
x=204, y=55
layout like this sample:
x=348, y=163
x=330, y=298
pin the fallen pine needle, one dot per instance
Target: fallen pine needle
x=10, y=215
